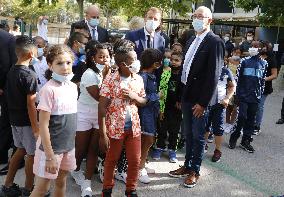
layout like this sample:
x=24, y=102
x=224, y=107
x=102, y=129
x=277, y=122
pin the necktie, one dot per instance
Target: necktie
x=94, y=34
x=186, y=65
x=148, y=41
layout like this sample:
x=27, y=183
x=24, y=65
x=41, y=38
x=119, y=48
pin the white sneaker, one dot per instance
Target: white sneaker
x=78, y=176
x=121, y=176
x=86, y=188
x=150, y=170
x=143, y=176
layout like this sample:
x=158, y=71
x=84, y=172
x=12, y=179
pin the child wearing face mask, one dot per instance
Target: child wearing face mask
x=119, y=125
x=87, y=136
x=170, y=126
x=250, y=86
x=21, y=87
x=55, y=153
x=150, y=61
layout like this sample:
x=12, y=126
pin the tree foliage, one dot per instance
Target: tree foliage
x=272, y=11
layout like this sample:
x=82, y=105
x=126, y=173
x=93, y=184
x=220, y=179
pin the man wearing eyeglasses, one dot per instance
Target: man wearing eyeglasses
x=91, y=24
x=203, y=61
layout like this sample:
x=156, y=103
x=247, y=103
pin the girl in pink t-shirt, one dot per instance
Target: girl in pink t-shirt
x=55, y=154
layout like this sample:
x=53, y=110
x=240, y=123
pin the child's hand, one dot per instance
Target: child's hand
x=162, y=116
x=104, y=143
x=51, y=166
x=178, y=105
x=225, y=102
x=129, y=94
x=161, y=95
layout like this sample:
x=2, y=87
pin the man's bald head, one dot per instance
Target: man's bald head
x=93, y=11
x=205, y=11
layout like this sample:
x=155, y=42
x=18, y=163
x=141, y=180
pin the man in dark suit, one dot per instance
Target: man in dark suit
x=146, y=37
x=7, y=59
x=91, y=24
x=204, y=59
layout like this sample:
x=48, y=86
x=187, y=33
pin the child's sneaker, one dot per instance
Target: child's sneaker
x=121, y=176
x=210, y=138
x=25, y=192
x=132, y=193
x=13, y=190
x=106, y=192
x=143, y=176
x=86, y=188
x=78, y=176
x=156, y=154
x=150, y=170
x=245, y=144
x=173, y=156
x=216, y=156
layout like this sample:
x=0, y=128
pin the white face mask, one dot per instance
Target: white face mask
x=135, y=67
x=198, y=25
x=152, y=25
x=253, y=51
x=100, y=67
x=62, y=78
x=250, y=38
x=226, y=38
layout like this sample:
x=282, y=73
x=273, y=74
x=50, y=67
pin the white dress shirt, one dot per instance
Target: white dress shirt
x=200, y=38
x=91, y=30
x=151, y=37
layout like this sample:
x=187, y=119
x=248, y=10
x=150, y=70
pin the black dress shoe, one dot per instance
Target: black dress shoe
x=4, y=170
x=280, y=121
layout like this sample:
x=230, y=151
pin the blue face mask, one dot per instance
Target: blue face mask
x=94, y=22
x=198, y=25
x=100, y=67
x=82, y=50
x=40, y=52
x=167, y=62
x=34, y=60
x=62, y=78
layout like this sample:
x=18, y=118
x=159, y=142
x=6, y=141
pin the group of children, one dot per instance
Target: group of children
x=123, y=108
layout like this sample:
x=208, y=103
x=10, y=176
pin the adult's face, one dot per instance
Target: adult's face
x=92, y=13
x=152, y=21
x=201, y=20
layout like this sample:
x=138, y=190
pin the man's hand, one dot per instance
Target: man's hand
x=225, y=102
x=198, y=110
x=104, y=143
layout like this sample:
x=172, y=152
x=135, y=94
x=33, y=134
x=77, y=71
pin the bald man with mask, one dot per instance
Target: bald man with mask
x=91, y=24
x=203, y=62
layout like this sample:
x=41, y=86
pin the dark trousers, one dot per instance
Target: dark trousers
x=170, y=127
x=6, y=138
x=194, y=130
x=246, y=120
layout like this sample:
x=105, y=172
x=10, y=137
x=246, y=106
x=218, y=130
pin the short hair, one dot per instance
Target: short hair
x=75, y=36
x=155, y=10
x=123, y=43
x=24, y=45
x=39, y=38
x=122, y=54
x=250, y=32
x=206, y=10
x=79, y=26
x=179, y=54
x=167, y=50
x=177, y=44
x=149, y=57
x=237, y=48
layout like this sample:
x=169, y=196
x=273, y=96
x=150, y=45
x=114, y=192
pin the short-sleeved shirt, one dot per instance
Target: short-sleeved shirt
x=271, y=61
x=60, y=99
x=21, y=81
x=225, y=77
x=116, y=111
x=89, y=78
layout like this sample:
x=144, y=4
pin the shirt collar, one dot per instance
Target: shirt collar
x=147, y=33
x=201, y=36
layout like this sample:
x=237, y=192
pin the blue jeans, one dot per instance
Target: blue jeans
x=259, y=113
x=194, y=130
x=215, y=120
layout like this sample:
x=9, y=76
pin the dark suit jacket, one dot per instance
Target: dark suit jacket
x=204, y=71
x=7, y=55
x=102, y=32
x=139, y=39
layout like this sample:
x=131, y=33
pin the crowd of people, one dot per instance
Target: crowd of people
x=113, y=104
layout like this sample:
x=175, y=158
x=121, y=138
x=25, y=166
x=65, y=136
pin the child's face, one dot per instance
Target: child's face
x=124, y=67
x=102, y=57
x=168, y=55
x=175, y=61
x=177, y=48
x=237, y=53
x=62, y=64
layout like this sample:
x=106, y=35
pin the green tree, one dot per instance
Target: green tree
x=272, y=11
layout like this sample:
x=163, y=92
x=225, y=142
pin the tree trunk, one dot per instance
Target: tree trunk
x=81, y=8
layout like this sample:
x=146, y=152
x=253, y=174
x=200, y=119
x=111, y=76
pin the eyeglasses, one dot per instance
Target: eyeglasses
x=200, y=17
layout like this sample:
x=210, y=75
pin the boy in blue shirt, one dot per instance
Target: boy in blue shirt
x=250, y=86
